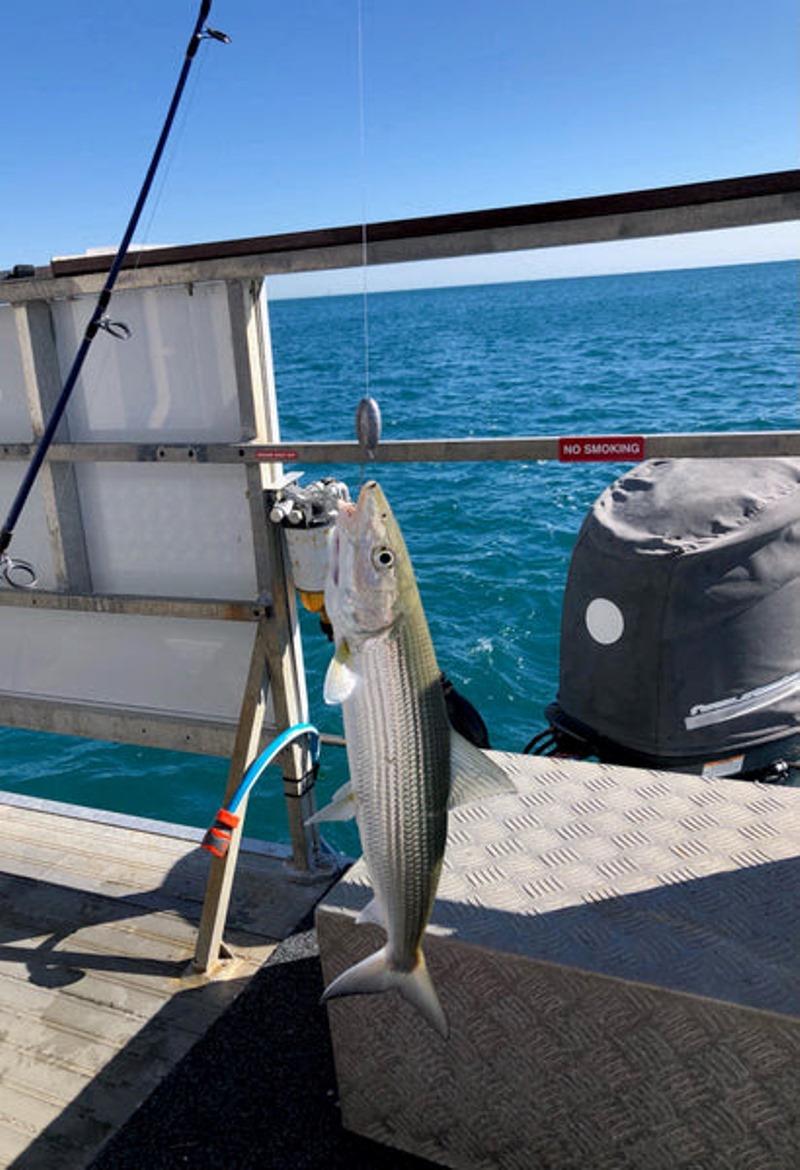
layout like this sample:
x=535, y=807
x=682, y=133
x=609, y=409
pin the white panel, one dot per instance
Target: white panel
x=31, y=539
x=171, y=665
x=15, y=426
x=168, y=530
x=173, y=380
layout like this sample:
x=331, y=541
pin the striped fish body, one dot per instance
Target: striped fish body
x=398, y=741
x=407, y=766
x=385, y=675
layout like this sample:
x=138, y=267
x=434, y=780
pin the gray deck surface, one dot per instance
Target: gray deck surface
x=616, y=951
x=113, y=1063
x=97, y=1001
x=258, y=1092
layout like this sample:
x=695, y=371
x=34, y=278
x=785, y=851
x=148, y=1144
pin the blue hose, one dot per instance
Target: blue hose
x=258, y=766
x=219, y=836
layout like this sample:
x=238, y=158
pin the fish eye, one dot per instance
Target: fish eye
x=383, y=558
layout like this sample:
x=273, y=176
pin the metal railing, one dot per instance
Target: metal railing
x=242, y=264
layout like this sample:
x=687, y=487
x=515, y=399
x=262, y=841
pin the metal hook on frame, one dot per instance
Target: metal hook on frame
x=18, y=574
x=117, y=329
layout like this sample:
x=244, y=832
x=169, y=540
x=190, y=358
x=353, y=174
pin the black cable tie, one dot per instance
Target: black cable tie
x=297, y=789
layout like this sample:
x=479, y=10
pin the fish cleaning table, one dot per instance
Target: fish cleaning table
x=617, y=953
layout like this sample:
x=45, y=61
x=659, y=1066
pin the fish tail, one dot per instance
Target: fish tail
x=375, y=974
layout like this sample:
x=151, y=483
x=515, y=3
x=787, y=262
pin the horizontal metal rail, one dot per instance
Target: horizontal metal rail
x=522, y=448
x=138, y=726
x=198, y=609
x=661, y=211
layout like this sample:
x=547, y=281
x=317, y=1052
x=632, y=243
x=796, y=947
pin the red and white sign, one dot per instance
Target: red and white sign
x=601, y=449
x=276, y=455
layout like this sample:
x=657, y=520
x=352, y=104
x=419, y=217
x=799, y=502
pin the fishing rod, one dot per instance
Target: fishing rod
x=18, y=573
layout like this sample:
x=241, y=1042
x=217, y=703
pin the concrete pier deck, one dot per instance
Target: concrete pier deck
x=97, y=998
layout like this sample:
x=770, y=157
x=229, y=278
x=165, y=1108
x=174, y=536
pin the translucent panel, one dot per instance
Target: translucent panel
x=31, y=539
x=174, y=379
x=169, y=665
x=15, y=424
x=168, y=530
x=150, y=528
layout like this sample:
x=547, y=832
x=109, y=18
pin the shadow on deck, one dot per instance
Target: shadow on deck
x=258, y=1091
x=98, y=1001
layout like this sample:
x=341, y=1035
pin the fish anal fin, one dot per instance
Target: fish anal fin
x=473, y=776
x=374, y=975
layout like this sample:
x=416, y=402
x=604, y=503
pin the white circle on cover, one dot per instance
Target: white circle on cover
x=604, y=621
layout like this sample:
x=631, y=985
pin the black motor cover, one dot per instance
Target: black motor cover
x=680, y=633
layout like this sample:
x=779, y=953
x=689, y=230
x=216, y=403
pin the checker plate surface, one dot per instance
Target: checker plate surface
x=617, y=952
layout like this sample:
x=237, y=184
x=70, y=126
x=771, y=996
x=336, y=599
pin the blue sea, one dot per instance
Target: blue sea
x=703, y=349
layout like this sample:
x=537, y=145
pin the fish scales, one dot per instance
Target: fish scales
x=403, y=824
x=406, y=765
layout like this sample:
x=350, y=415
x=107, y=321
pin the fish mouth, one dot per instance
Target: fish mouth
x=371, y=502
x=372, y=499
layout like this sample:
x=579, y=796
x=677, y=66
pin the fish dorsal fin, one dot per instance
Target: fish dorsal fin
x=473, y=776
x=342, y=806
x=340, y=681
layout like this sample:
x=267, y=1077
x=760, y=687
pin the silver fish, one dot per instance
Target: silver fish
x=368, y=426
x=406, y=764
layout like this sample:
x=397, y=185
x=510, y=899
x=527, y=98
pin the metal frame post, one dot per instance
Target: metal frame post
x=210, y=947
x=249, y=320
x=57, y=481
x=277, y=657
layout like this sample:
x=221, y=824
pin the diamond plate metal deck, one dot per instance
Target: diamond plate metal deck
x=617, y=952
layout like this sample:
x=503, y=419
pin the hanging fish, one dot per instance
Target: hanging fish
x=368, y=426
x=407, y=766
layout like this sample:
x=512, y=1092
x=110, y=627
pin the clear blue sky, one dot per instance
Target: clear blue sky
x=468, y=104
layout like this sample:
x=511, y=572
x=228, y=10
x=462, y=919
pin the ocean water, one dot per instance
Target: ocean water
x=705, y=349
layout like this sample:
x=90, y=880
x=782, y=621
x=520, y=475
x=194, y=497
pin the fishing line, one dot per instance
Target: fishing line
x=174, y=149
x=368, y=423
x=99, y=319
x=362, y=137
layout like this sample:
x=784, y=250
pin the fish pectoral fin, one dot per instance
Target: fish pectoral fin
x=340, y=680
x=473, y=776
x=372, y=912
x=343, y=806
x=373, y=975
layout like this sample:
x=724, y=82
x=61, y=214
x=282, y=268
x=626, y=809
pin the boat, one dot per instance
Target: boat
x=677, y=647
x=611, y=943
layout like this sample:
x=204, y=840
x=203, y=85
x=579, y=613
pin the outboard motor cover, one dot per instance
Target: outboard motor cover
x=680, y=637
